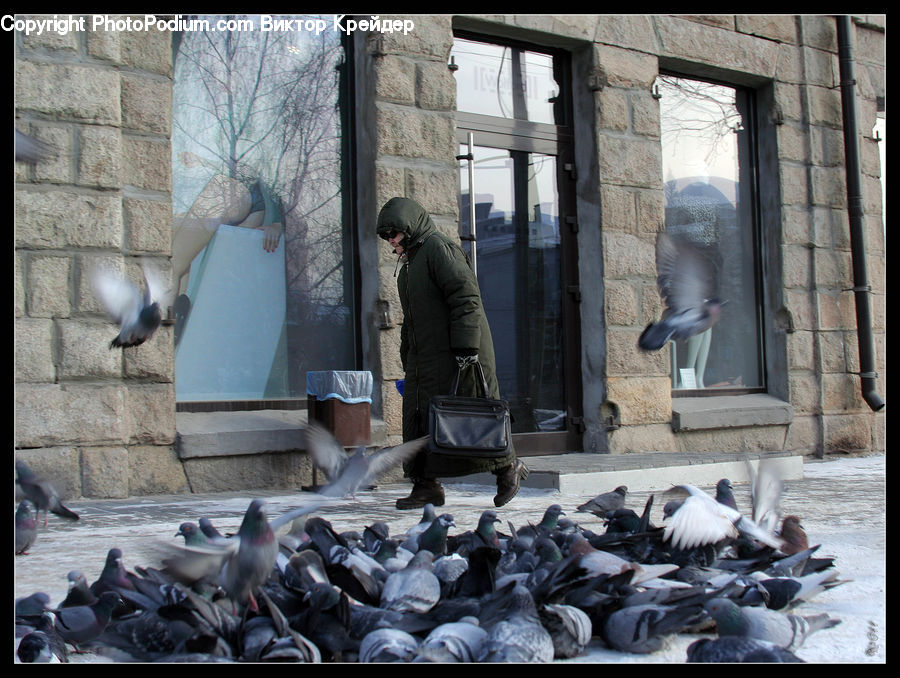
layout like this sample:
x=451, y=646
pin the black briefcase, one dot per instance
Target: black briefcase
x=464, y=426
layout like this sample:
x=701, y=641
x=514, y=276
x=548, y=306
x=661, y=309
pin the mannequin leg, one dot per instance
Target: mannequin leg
x=698, y=352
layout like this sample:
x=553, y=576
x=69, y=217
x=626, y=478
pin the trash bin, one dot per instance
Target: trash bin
x=341, y=401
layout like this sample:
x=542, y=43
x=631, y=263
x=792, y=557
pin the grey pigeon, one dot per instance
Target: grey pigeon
x=35, y=648
x=785, y=630
x=32, y=605
x=192, y=534
x=79, y=591
x=459, y=641
x=26, y=527
x=41, y=493
x=484, y=534
x=738, y=650
x=434, y=539
x=32, y=150
x=686, y=280
x=137, y=312
x=387, y=646
x=702, y=520
x=787, y=591
x=415, y=588
x=412, y=534
x=642, y=629
x=569, y=627
x=113, y=576
x=359, y=469
x=725, y=493
x=606, y=502
x=80, y=625
x=519, y=635
x=207, y=528
x=147, y=636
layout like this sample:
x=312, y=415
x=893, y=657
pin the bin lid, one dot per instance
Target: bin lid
x=344, y=385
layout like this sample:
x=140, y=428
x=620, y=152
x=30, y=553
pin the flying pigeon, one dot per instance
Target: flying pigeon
x=242, y=562
x=26, y=527
x=686, y=282
x=702, y=520
x=785, y=630
x=137, y=313
x=32, y=150
x=766, y=488
x=41, y=493
x=359, y=469
x=606, y=502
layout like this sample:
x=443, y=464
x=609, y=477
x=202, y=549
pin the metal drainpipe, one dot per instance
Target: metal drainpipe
x=861, y=286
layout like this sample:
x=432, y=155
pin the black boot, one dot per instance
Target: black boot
x=508, y=481
x=424, y=491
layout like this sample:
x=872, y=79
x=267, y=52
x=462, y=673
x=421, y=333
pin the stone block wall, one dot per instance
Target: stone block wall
x=413, y=109
x=99, y=422
x=791, y=59
x=103, y=422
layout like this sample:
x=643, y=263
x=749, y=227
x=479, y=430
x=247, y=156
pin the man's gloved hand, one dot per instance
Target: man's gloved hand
x=465, y=359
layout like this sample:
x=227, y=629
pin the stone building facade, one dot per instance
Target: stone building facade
x=105, y=421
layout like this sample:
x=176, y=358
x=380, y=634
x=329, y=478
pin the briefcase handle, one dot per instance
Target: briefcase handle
x=480, y=379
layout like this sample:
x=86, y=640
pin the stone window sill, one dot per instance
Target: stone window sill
x=222, y=434
x=732, y=411
x=225, y=434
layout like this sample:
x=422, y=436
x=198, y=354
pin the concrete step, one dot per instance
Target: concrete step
x=584, y=473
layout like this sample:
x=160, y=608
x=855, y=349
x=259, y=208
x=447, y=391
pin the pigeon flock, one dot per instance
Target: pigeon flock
x=294, y=589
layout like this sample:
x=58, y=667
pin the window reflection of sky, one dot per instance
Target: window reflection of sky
x=698, y=141
x=484, y=81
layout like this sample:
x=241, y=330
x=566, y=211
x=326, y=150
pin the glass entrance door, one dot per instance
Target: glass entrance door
x=517, y=254
x=518, y=221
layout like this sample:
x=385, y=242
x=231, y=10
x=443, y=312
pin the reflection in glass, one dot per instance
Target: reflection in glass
x=258, y=242
x=505, y=82
x=519, y=275
x=708, y=193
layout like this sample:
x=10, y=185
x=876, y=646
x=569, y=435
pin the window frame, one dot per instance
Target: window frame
x=346, y=101
x=557, y=140
x=750, y=111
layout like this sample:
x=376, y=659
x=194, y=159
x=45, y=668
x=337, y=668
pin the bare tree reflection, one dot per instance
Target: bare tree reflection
x=264, y=106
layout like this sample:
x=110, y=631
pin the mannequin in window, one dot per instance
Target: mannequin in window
x=695, y=213
x=223, y=200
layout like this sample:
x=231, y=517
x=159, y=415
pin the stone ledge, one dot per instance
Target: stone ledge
x=753, y=409
x=223, y=434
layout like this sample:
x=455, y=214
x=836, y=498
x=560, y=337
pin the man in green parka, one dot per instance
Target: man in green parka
x=444, y=329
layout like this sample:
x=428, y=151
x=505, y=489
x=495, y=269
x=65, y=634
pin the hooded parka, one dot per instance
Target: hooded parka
x=443, y=317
